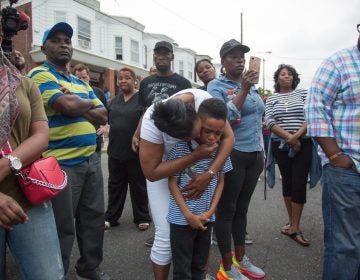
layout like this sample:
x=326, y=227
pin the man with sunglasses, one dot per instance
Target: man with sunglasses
x=333, y=111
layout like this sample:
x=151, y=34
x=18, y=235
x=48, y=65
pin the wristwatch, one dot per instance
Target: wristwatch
x=15, y=163
x=212, y=173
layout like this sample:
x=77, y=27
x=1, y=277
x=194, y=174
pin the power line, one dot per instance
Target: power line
x=298, y=58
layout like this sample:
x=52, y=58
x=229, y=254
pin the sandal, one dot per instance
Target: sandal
x=143, y=226
x=285, y=229
x=299, y=238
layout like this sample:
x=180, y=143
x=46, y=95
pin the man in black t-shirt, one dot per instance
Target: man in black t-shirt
x=165, y=82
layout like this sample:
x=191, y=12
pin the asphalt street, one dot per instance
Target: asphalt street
x=127, y=258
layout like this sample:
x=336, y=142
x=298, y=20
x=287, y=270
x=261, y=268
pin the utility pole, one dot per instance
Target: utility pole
x=241, y=27
x=263, y=68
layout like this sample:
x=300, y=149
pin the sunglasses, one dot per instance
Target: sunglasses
x=358, y=28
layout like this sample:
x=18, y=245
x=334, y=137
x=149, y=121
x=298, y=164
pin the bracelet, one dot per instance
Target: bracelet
x=334, y=156
x=212, y=173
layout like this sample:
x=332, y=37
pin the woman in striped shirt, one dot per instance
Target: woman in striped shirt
x=284, y=115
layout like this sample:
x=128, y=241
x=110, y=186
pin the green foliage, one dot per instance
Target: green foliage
x=261, y=91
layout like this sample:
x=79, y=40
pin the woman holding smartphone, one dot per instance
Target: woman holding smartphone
x=245, y=111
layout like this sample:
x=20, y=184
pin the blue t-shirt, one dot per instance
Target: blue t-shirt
x=203, y=203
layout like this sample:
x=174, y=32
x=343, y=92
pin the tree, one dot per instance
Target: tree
x=261, y=91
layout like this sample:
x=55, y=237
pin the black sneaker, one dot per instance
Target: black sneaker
x=96, y=274
x=149, y=242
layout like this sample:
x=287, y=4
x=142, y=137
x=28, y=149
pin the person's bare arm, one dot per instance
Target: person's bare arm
x=155, y=169
x=72, y=105
x=11, y=213
x=97, y=116
x=199, y=183
x=246, y=84
x=29, y=150
x=288, y=137
x=136, y=137
x=279, y=131
x=216, y=198
x=297, y=135
x=330, y=148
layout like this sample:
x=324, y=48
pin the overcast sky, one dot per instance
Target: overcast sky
x=297, y=32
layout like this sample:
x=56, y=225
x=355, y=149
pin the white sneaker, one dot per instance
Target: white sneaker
x=232, y=274
x=248, y=240
x=235, y=274
x=246, y=267
x=209, y=277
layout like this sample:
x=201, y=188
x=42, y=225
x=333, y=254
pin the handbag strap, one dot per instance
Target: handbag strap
x=6, y=149
x=45, y=184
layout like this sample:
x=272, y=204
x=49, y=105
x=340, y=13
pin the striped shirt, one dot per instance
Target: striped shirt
x=72, y=139
x=199, y=205
x=333, y=106
x=286, y=110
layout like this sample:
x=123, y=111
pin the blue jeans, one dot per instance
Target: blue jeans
x=341, y=212
x=35, y=246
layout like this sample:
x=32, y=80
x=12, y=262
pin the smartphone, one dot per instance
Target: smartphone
x=254, y=64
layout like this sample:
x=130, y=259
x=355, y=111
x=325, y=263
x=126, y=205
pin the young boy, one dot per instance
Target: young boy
x=191, y=221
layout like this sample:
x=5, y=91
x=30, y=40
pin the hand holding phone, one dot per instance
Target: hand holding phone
x=254, y=64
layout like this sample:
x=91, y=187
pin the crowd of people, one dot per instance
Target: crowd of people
x=191, y=159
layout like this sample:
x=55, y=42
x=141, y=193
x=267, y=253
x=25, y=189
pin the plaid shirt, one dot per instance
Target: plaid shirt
x=332, y=108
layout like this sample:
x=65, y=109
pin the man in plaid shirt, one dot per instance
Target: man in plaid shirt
x=333, y=114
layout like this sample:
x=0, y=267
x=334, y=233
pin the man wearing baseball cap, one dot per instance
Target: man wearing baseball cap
x=165, y=83
x=72, y=116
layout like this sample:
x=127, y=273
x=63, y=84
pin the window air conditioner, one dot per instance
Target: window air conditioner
x=84, y=44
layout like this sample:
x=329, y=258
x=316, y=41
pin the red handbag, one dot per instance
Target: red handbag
x=42, y=180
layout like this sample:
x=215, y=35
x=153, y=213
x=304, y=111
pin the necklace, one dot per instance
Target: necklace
x=286, y=102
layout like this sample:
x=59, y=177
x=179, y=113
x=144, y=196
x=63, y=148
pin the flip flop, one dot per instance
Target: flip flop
x=285, y=229
x=143, y=226
x=299, y=238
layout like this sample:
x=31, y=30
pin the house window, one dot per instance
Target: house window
x=135, y=51
x=181, y=68
x=60, y=16
x=84, y=33
x=190, y=73
x=118, y=48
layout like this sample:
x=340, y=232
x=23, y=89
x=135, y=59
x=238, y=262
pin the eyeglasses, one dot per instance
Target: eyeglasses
x=358, y=28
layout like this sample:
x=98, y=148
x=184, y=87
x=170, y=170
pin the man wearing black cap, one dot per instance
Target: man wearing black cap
x=165, y=83
x=72, y=115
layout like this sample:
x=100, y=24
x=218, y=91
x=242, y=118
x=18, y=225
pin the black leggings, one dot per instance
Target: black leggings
x=294, y=171
x=232, y=209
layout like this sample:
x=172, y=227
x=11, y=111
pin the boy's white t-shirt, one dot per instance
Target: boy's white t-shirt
x=151, y=133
